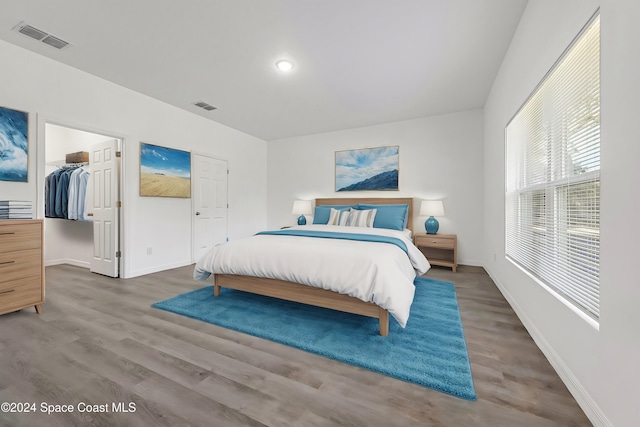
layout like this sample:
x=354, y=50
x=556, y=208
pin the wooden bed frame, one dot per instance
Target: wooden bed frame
x=308, y=294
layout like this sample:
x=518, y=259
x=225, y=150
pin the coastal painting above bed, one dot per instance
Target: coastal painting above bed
x=367, y=169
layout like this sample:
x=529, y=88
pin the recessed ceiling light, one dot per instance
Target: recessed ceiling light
x=284, y=65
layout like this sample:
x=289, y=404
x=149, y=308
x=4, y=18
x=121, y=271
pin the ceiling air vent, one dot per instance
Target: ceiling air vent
x=204, y=105
x=55, y=42
x=32, y=32
x=38, y=34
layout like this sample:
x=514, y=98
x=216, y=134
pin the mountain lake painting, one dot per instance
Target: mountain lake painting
x=367, y=169
x=14, y=145
x=164, y=172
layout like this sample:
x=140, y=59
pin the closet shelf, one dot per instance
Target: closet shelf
x=62, y=163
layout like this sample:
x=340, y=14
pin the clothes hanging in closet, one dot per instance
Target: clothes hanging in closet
x=65, y=193
x=78, y=193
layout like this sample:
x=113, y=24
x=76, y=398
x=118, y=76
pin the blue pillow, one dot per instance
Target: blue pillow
x=394, y=217
x=321, y=213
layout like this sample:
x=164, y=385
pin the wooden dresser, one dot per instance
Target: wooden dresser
x=21, y=265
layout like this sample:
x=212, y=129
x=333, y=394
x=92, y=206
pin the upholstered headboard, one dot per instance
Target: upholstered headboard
x=373, y=201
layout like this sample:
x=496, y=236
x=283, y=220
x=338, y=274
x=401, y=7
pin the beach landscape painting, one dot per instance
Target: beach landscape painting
x=164, y=172
x=367, y=169
x=14, y=145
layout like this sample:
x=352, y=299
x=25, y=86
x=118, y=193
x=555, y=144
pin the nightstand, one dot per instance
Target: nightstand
x=440, y=249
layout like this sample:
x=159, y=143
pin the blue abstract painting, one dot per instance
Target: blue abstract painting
x=367, y=169
x=14, y=145
x=164, y=172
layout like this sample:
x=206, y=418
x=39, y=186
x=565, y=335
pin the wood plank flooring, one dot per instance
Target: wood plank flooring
x=99, y=342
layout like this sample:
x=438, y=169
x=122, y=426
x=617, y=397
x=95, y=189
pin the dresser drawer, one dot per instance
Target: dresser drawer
x=16, y=265
x=18, y=237
x=435, y=242
x=21, y=293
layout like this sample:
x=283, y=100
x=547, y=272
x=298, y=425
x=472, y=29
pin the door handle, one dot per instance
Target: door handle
x=197, y=213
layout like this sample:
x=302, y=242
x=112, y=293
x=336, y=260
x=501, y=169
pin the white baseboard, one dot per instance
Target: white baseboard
x=75, y=262
x=584, y=399
x=470, y=263
x=87, y=265
x=157, y=269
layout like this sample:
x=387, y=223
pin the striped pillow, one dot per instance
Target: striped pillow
x=361, y=218
x=338, y=217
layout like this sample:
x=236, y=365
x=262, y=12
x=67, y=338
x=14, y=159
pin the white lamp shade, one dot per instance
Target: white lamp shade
x=431, y=208
x=301, y=207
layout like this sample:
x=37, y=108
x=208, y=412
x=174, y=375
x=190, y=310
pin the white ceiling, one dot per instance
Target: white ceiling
x=357, y=62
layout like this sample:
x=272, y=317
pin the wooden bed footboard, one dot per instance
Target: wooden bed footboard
x=304, y=294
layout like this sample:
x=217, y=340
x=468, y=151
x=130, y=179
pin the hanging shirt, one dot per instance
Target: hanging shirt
x=74, y=194
x=51, y=197
x=62, y=194
x=83, y=179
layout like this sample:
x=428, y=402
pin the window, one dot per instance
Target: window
x=552, y=195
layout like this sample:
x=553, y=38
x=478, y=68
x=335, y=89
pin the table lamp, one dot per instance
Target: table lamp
x=302, y=208
x=431, y=208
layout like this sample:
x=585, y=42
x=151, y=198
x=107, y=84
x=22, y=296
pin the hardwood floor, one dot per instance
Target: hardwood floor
x=99, y=342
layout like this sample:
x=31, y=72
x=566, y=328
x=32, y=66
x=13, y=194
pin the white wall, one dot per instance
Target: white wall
x=600, y=367
x=67, y=242
x=64, y=95
x=440, y=158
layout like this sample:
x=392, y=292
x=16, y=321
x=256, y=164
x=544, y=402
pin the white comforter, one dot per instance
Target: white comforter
x=381, y=273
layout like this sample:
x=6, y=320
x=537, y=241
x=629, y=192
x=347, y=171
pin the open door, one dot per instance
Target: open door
x=104, y=176
x=210, y=207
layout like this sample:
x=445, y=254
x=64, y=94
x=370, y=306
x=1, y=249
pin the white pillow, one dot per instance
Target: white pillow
x=361, y=218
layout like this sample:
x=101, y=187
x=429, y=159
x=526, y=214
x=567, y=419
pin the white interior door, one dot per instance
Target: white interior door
x=209, y=198
x=104, y=180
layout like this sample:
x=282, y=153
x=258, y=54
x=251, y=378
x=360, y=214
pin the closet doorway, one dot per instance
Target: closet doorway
x=82, y=216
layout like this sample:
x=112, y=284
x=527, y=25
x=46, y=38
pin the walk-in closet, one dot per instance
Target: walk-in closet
x=74, y=191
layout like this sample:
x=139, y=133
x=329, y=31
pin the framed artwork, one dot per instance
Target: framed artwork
x=164, y=172
x=367, y=169
x=14, y=145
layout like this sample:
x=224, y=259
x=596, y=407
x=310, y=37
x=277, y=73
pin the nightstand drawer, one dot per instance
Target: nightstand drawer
x=435, y=242
x=17, y=237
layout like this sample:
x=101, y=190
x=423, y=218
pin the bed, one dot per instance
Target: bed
x=362, y=270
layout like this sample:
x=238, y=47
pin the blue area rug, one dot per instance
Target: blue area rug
x=430, y=351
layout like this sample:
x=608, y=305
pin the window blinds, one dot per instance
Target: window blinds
x=552, y=195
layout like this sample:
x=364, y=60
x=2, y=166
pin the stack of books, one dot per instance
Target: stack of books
x=15, y=209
